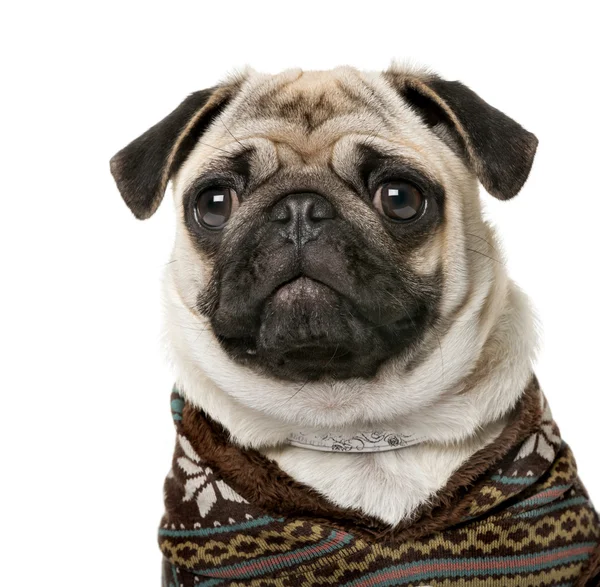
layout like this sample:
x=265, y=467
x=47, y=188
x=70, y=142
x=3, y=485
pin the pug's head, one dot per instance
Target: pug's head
x=325, y=219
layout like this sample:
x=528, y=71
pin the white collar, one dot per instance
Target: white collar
x=359, y=442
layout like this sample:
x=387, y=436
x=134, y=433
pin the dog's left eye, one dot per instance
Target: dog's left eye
x=399, y=200
x=215, y=206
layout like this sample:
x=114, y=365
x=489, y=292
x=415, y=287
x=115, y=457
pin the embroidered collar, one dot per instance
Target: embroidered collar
x=374, y=441
x=516, y=508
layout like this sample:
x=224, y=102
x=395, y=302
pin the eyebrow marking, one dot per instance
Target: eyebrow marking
x=236, y=161
x=373, y=160
x=240, y=162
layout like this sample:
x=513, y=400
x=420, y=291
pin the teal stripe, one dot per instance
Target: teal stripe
x=218, y=529
x=541, y=500
x=271, y=563
x=536, y=497
x=552, y=508
x=393, y=583
x=177, y=405
x=211, y=582
x=450, y=572
x=514, y=480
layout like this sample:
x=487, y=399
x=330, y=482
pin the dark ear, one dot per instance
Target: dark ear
x=498, y=149
x=143, y=168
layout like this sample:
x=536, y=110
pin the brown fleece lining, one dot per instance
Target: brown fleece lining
x=265, y=485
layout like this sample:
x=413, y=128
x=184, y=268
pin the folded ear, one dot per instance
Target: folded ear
x=142, y=169
x=498, y=149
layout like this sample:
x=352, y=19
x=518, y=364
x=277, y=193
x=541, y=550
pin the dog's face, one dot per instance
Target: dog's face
x=325, y=218
x=312, y=225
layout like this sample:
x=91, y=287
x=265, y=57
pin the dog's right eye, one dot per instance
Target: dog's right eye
x=215, y=206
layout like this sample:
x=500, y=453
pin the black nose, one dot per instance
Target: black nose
x=302, y=216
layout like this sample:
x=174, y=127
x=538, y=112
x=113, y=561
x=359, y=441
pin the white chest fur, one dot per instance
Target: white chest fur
x=387, y=485
x=459, y=415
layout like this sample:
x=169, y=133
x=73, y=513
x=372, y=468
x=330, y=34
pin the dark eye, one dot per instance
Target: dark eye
x=215, y=206
x=399, y=200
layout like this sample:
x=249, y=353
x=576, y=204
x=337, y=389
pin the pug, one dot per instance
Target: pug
x=355, y=401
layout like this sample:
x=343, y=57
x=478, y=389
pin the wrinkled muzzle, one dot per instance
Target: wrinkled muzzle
x=309, y=299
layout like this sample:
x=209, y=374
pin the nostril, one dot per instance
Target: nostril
x=321, y=209
x=302, y=207
x=281, y=213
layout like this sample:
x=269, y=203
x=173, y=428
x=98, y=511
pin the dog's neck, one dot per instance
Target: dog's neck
x=484, y=380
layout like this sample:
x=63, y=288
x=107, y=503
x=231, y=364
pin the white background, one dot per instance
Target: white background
x=86, y=435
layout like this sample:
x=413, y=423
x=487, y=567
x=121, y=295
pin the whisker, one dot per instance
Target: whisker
x=213, y=147
x=232, y=135
x=403, y=307
x=337, y=346
x=484, y=255
x=297, y=392
x=489, y=244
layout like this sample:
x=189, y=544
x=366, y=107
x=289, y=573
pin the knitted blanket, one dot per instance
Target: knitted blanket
x=515, y=514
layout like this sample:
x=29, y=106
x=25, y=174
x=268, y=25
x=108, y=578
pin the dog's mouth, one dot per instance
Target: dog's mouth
x=302, y=290
x=322, y=354
x=308, y=331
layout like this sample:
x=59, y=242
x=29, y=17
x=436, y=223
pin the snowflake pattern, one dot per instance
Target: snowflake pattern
x=546, y=442
x=200, y=484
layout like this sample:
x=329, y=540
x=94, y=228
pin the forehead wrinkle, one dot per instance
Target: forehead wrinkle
x=294, y=93
x=355, y=120
x=345, y=157
x=422, y=157
x=203, y=160
x=325, y=147
x=305, y=144
x=329, y=98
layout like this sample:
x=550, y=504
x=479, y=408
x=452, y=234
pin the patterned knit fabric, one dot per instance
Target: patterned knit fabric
x=527, y=521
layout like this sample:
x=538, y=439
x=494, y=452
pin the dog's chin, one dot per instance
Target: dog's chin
x=310, y=332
